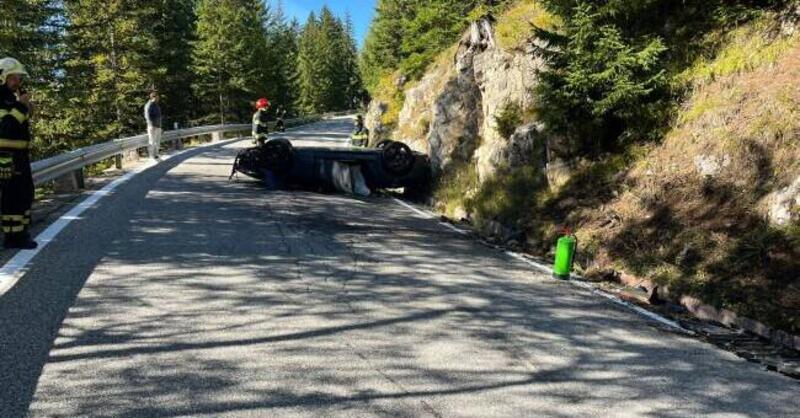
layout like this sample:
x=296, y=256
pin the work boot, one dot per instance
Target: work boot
x=20, y=241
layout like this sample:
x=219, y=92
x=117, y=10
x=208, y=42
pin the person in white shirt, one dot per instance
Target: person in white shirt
x=152, y=113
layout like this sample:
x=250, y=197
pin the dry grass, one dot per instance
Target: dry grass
x=514, y=26
x=455, y=186
x=708, y=235
x=749, y=47
x=390, y=92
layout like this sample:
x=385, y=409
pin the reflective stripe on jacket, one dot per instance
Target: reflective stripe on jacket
x=14, y=124
x=260, y=122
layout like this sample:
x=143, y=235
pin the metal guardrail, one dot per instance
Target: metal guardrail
x=60, y=165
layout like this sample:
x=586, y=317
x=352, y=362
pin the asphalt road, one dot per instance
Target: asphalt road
x=182, y=294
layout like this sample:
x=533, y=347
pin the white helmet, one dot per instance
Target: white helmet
x=8, y=66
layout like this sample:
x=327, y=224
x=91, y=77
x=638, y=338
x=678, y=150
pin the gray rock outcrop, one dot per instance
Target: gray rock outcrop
x=451, y=112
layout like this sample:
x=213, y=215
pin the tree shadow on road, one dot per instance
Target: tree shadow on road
x=221, y=298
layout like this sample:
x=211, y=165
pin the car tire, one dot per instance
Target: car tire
x=278, y=155
x=383, y=144
x=397, y=158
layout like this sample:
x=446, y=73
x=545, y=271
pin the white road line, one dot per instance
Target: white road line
x=428, y=215
x=584, y=285
x=16, y=268
x=638, y=309
x=412, y=208
x=548, y=270
x=529, y=262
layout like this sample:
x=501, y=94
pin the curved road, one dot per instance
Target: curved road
x=182, y=294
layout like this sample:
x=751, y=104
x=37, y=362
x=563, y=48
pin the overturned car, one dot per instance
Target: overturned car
x=279, y=164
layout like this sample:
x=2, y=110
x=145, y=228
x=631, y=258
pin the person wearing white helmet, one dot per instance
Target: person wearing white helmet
x=15, y=160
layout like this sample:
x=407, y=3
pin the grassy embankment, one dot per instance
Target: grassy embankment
x=648, y=211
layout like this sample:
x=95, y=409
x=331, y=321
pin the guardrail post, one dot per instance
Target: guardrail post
x=216, y=136
x=118, y=161
x=70, y=182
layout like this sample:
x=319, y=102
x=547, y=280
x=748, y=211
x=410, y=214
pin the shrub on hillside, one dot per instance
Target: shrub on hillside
x=612, y=63
x=508, y=119
x=600, y=80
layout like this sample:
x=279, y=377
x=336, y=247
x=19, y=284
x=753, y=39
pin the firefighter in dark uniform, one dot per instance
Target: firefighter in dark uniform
x=15, y=164
x=260, y=121
x=280, y=119
x=360, y=135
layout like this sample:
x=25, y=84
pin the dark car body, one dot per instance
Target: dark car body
x=280, y=164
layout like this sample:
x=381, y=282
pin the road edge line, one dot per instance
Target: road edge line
x=16, y=268
x=575, y=283
x=429, y=215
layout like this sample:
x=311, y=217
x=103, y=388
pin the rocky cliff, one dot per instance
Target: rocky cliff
x=451, y=113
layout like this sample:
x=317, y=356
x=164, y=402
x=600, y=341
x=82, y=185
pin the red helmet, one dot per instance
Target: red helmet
x=262, y=103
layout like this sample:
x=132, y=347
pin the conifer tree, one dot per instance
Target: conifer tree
x=310, y=67
x=227, y=58
x=281, y=59
x=109, y=66
x=355, y=87
x=30, y=30
x=93, y=62
x=174, y=31
x=407, y=35
x=382, y=48
x=328, y=76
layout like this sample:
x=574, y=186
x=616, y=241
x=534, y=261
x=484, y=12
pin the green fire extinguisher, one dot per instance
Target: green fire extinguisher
x=566, y=247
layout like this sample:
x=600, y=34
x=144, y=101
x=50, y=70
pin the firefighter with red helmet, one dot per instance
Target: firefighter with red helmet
x=260, y=120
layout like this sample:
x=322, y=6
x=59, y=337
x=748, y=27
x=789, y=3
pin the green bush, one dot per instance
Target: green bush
x=508, y=119
x=509, y=196
x=613, y=64
x=599, y=79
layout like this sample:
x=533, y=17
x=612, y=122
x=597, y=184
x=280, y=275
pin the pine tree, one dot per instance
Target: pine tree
x=382, y=48
x=109, y=66
x=30, y=30
x=281, y=59
x=328, y=76
x=227, y=58
x=333, y=79
x=354, y=93
x=94, y=61
x=429, y=28
x=174, y=31
x=601, y=79
x=609, y=66
x=29, y=33
x=291, y=70
x=310, y=67
x=407, y=35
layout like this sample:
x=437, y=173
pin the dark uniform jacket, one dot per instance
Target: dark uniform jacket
x=17, y=184
x=360, y=129
x=15, y=131
x=260, y=120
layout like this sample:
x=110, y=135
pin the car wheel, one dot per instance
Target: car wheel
x=383, y=144
x=397, y=158
x=278, y=155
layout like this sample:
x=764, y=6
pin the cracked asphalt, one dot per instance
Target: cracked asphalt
x=181, y=294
